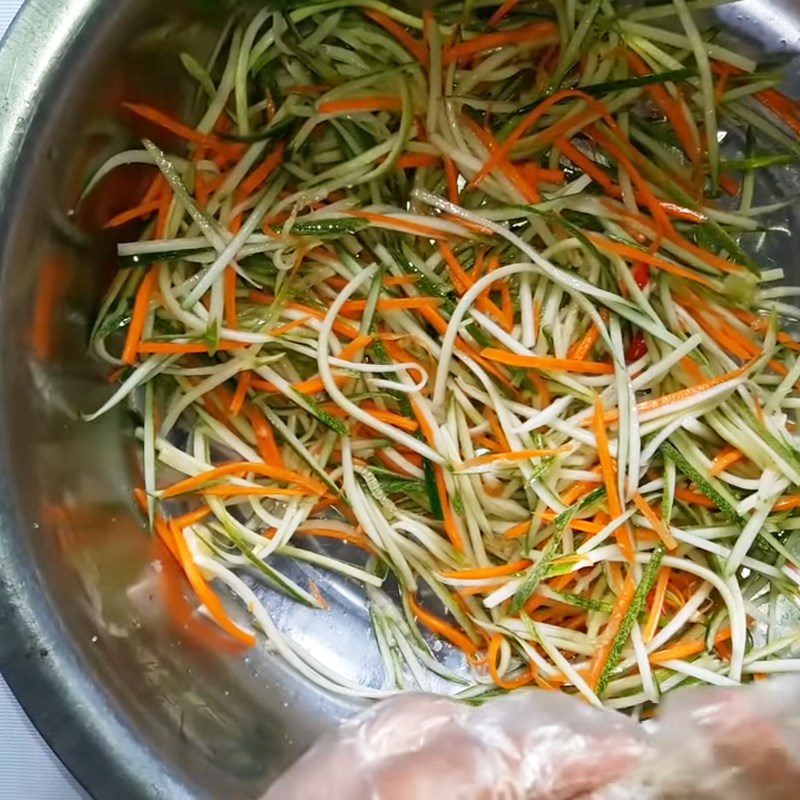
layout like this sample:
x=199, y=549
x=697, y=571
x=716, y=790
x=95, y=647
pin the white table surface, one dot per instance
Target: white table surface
x=28, y=768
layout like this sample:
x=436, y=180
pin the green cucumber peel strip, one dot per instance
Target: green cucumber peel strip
x=632, y=615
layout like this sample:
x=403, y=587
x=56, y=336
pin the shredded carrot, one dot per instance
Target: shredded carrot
x=493, y=651
x=536, y=35
x=231, y=313
x=686, y=648
x=529, y=192
x=229, y=490
x=727, y=457
x=513, y=456
x=656, y=523
x=462, y=282
x=137, y=212
x=206, y=593
x=261, y=175
x=398, y=223
x=415, y=47
x=694, y=498
x=166, y=122
x=787, y=503
x=621, y=606
x=328, y=533
x=657, y=607
x=316, y=88
x=451, y=175
x=198, y=482
x=682, y=394
x=609, y=472
x=392, y=304
x=520, y=529
x=417, y=161
x=673, y=111
x=192, y=517
x=581, y=349
x=597, y=109
x=441, y=628
x=141, y=309
x=502, y=12
x=359, y=105
x=187, y=348
x=243, y=383
x=487, y=572
x=547, y=362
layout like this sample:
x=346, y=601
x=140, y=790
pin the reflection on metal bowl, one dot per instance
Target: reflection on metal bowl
x=138, y=696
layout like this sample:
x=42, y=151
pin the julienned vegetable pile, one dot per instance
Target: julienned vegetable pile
x=465, y=301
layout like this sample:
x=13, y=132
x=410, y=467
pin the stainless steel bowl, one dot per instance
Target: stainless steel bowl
x=136, y=704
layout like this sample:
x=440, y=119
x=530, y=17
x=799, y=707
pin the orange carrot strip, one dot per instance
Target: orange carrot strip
x=787, y=503
x=488, y=572
x=597, y=109
x=450, y=526
x=657, y=608
x=621, y=606
x=687, y=648
x=316, y=88
x=582, y=348
x=727, y=457
x=288, y=327
x=681, y=394
x=513, y=456
x=358, y=105
x=493, y=651
x=497, y=430
x=441, y=628
x=186, y=348
x=173, y=126
x=327, y=533
x=165, y=534
x=243, y=383
x=242, y=468
x=547, y=362
x=256, y=179
x=192, y=517
x=635, y=254
x=617, y=152
x=141, y=308
x=536, y=35
x=520, y=529
x=673, y=111
x=415, y=47
x=417, y=161
x=529, y=192
x=656, y=523
x=392, y=304
x=342, y=328
x=266, y=444
x=609, y=472
x=451, y=175
x=228, y=490
x=462, y=282
x=231, y=314
x=578, y=490
x=502, y=12
x=396, y=223
x=697, y=499
x=144, y=209
x=206, y=593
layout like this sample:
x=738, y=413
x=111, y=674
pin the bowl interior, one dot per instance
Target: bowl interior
x=140, y=697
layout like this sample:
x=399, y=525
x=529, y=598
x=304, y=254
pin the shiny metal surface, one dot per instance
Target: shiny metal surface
x=96, y=639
